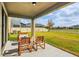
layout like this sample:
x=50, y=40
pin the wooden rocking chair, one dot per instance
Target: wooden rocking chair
x=39, y=42
x=23, y=43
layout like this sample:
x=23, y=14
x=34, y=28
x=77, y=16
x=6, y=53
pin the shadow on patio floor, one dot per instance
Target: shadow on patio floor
x=13, y=44
x=12, y=52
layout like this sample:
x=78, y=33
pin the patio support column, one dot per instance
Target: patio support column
x=33, y=30
x=9, y=24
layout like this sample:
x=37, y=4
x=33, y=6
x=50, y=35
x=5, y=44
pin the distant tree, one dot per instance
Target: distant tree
x=50, y=24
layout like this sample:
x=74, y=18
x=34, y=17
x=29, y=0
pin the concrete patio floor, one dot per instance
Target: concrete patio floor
x=49, y=51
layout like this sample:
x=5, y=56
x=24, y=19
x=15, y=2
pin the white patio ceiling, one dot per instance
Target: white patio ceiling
x=28, y=10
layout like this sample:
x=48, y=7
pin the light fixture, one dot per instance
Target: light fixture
x=34, y=3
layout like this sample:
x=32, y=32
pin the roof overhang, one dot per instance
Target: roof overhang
x=28, y=10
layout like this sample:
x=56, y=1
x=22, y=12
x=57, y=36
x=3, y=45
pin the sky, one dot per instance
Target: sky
x=64, y=17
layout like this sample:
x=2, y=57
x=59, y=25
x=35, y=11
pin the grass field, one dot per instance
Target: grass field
x=67, y=40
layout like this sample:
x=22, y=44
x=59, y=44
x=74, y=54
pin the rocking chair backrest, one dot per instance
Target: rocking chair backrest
x=23, y=39
x=40, y=39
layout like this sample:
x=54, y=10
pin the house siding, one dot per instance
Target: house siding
x=0, y=27
x=3, y=28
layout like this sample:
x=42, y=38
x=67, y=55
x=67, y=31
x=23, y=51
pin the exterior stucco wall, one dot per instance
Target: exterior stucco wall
x=5, y=25
x=0, y=27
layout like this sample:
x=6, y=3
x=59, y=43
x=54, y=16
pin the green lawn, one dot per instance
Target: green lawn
x=13, y=37
x=67, y=40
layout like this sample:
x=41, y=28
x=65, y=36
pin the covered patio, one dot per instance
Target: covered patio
x=29, y=11
x=49, y=51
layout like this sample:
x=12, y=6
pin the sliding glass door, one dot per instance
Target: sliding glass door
x=4, y=27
